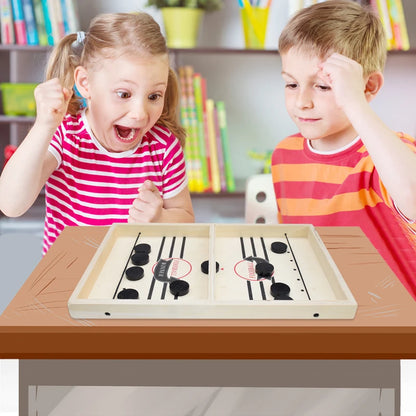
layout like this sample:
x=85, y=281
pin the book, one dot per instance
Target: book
x=294, y=6
x=19, y=23
x=40, y=22
x=31, y=28
x=307, y=3
x=222, y=121
x=383, y=13
x=55, y=16
x=220, y=154
x=6, y=22
x=65, y=22
x=72, y=15
x=193, y=128
x=398, y=25
x=196, y=80
x=186, y=125
x=48, y=22
x=216, y=182
x=59, y=19
x=205, y=121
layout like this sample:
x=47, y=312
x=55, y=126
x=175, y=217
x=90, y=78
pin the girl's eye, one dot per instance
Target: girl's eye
x=123, y=94
x=154, y=97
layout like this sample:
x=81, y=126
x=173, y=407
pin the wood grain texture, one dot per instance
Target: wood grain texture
x=36, y=324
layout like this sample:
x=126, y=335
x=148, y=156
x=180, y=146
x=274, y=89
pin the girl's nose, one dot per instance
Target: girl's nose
x=138, y=111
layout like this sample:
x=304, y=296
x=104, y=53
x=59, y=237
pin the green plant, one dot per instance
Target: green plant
x=207, y=5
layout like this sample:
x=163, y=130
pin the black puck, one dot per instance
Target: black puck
x=140, y=258
x=179, y=287
x=142, y=248
x=264, y=269
x=280, y=291
x=205, y=267
x=128, y=294
x=279, y=247
x=134, y=273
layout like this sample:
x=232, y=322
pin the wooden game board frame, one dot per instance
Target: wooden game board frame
x=341, y=305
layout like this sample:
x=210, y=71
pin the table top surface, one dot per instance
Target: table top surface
x=37, y=324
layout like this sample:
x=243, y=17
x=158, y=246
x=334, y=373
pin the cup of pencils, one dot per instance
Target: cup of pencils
x=254, y=17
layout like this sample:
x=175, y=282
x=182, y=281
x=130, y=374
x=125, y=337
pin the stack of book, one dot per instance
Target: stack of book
x=391, y=15
x=206, y=146
x=37, y=22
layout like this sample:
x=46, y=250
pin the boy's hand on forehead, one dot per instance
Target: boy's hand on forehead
x=345, y=77
x=51, y=103
x=148, y=205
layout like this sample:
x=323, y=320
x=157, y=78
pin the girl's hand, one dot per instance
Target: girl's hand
x=147, y=207
x=345, y=77
x=51, y=103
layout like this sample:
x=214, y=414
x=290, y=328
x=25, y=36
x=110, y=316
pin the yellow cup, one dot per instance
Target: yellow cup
x=254, y=20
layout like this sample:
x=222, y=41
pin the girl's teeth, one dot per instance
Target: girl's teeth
x=127, y=138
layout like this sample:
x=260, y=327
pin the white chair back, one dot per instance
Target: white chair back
x=260, y=200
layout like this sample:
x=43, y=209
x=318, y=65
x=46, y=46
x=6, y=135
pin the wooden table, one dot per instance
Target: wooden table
x=36, y=326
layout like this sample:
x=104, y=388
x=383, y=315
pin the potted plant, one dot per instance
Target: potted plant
x=182, y=19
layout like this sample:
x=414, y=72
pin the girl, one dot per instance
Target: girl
x=118, y=158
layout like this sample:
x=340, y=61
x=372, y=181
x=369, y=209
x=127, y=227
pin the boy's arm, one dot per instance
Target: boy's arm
x=30, y=166
x=395, y=162
x=150, y=207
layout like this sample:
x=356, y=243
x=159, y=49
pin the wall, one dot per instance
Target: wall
x=251, y=84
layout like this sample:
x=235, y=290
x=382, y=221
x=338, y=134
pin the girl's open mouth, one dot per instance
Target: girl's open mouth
x=126, y=134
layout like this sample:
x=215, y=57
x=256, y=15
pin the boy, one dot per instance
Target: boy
x=345, y=167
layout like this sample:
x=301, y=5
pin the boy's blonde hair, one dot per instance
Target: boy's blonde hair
x=341, y=26
x=112, y=35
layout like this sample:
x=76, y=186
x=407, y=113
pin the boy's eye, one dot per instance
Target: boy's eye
x=123, y=94
x=323, y=87
x=291, y=85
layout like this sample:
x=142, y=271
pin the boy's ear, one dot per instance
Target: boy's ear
x=81, y=81
x=373, y=85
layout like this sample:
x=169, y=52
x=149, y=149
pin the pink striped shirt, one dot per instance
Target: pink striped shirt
x=92, y=186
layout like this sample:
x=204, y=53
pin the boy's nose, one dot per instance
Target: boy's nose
x=304, y=99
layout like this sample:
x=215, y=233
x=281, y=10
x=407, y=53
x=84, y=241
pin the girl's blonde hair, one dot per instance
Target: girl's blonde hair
x=341, y=26
x=112, y=35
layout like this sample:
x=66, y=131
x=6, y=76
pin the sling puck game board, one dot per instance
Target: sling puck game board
x=212, y=271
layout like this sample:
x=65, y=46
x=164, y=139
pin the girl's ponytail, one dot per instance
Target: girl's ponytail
x=64, y=58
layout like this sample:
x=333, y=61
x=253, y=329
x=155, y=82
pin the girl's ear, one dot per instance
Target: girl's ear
x=81, y=81
x=374, y=83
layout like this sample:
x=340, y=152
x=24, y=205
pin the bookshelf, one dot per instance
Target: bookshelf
x=19, y=63
x=25, y=63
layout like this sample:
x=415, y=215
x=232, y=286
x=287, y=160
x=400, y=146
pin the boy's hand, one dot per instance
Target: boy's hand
x=345, y=77
x=51, y=103
x=147, y=207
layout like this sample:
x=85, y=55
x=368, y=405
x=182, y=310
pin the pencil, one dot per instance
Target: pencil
x=252, y=19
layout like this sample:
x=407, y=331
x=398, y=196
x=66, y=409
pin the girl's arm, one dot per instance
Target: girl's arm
x=178, y=209
x=30, y=166
x=149, y=206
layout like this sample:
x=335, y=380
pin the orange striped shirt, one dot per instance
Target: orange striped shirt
x=343, y=188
